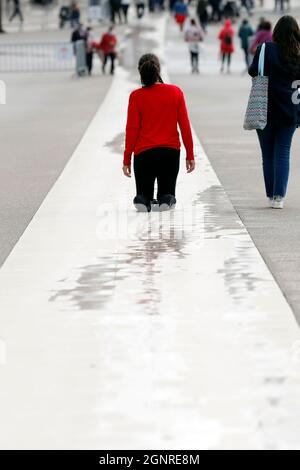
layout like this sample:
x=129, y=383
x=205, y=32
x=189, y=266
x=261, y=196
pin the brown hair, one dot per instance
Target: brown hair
x=287, y=37
x=149, y=68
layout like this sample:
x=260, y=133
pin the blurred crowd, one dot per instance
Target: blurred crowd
x=86, y=45
x=193, y=20
x=194, y=28
x=207, y=10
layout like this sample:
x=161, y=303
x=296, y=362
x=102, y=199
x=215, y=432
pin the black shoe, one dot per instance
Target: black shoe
x=167, y=202
x=142, y=204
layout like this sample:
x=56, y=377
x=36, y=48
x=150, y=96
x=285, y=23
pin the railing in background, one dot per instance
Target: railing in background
x=43, y=57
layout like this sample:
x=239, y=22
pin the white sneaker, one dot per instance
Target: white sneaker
x=277, y=202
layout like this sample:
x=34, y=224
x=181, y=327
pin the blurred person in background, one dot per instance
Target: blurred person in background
x=226, y=37
x=115, y=10
x=216, y=14
x=245, y=33
x=202, y=13
x=160, y=5
x=74, y=14
x=181, y=12
x=193, y=35
x=78, y=34
x=64, y=15
x=125, y=4
x=230, y=9
x=260, y=23
x=79, y=40
x=17, y=11
x=279, y=5
x=282, y=66
x=248, y=5
x=108, y=46
x=151, y=5
x=140, y=8
x=89, y=49
x=263, y=34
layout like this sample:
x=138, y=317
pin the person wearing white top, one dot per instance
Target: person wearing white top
x=193, y=36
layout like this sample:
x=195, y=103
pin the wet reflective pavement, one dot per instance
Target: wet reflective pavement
x=125, y=330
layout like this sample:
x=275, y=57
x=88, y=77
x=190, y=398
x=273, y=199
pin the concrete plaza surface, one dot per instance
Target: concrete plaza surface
x=217, y=105
x=45, y=116
x=121, y=330
x=40, y=126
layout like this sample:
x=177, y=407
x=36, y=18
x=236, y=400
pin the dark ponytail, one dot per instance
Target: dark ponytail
x=149, y=68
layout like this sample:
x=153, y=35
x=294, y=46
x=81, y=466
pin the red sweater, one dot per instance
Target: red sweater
x=153, y=115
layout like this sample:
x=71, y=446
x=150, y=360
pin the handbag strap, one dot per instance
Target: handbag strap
x=261, y=60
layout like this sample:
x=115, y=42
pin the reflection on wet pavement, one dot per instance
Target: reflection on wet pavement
x=117, y=144
x=94, y=286
x=96, y=282
x=239, y=280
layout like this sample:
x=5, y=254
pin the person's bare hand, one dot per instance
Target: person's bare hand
x=190, y=166
x=127, y=170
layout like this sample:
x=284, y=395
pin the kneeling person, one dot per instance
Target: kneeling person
x=154, y=113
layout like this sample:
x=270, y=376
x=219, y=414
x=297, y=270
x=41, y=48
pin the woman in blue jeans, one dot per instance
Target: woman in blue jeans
x=282, y=66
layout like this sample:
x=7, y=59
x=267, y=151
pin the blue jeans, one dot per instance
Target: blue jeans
x=275, y=142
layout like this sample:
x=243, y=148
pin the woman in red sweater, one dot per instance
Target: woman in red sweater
x=154, y=113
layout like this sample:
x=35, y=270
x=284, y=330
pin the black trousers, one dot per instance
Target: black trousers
x=125, y=12
x=112, y=57
x=247, y=58
x=140, y=10
x=226, y=55
x=194, y=61
x=115, y=11
x=17, y=12
x=161, y=164
x=89, y=61
x=216, y=12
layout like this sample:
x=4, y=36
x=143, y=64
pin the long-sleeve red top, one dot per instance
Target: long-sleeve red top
x=154, y=114
x=108, y=43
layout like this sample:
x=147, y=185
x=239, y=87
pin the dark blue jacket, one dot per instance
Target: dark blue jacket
x=281, y=108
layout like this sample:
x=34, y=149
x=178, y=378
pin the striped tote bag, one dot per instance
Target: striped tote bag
x=257, y=110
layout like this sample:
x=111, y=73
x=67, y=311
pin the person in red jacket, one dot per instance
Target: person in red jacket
x=154, y=113
x=226, y=36
x=108, y=46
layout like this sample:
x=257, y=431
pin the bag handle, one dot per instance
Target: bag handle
x=261, y=60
